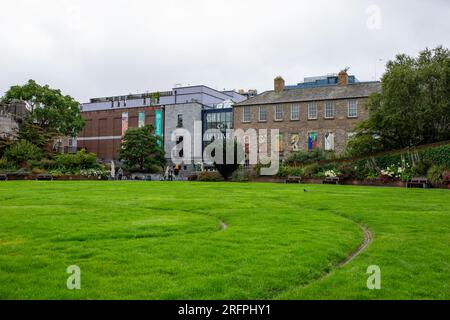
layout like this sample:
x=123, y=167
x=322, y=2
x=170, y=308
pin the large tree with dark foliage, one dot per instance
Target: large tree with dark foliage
x=141, y=151
x=224, y=166
x=413, y=107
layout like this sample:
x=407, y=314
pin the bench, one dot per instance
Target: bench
x=331, y=180
x=418, y=183
x=294, y=179
x=3, y=177
x=44, y=177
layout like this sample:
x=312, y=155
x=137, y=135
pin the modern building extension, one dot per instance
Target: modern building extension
x=108, y=118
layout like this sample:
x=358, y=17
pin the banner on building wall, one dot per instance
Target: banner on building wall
x=263, y=143
x=141, y=120
x=247, y=145
x=329, y=141
x=124, y=122
x=312, y=141
x=295, y=142
x=280, y=142
x=159, y=125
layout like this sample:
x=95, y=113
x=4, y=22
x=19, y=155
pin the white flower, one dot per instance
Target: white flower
x=330, y=174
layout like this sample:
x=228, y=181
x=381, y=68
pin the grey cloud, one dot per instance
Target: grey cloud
x=99, y=48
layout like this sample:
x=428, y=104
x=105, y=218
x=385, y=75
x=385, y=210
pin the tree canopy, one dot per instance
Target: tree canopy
x=51, y=111
x=228, y=149
x=413, y=107
x=140, y=149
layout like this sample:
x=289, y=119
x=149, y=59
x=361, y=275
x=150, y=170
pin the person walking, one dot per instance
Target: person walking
x=120, y=174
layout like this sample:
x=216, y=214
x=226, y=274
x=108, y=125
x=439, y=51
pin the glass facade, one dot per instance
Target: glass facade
x=221, y=120
x=216, y=119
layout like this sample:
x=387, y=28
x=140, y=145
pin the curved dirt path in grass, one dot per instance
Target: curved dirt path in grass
x=368, y=237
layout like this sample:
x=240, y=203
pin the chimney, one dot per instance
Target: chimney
x=278, y=84
x=343, y=78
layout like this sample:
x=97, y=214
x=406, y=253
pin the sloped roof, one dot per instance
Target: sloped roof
x=357, y=90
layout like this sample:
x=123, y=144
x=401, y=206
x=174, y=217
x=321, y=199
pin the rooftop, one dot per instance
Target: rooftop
x=331, y=92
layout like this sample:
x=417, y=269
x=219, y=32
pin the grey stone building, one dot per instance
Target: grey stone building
x=178, y=118
x=10, y=116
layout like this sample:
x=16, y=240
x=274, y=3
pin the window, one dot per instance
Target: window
x=180, y=121
x=352, y=109
x=295, y=112
x=180, y=145
x=246, y=117
x=312, y=111
x=329, y=110
x=279, y=113
x=263, y=113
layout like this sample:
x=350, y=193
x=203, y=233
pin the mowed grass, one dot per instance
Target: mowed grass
x=165, y=240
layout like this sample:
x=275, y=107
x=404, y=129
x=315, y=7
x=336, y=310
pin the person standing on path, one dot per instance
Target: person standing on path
x=119, y=173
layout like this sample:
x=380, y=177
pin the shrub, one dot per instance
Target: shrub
x=79, y=160
x=242, y=175
x=286, y=171
x=407, y=175
x=44, y=164
x=446, y=176
x=193, y=177
x=56, y=172
x=311, y=170
x=22, y=151
x=371, y=176
x=37, y=171
x=437, y=155
x=210, y=176
x=421, y=168
x=5, y=165
x=434, y=174
x=347, y=171
x=305, y=157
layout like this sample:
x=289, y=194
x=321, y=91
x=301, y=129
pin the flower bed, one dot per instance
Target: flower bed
x=13, y=176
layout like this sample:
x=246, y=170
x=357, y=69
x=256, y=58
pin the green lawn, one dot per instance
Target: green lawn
x=157, y=240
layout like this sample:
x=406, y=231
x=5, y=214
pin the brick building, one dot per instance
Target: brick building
x=104, y=128
x=307, y=116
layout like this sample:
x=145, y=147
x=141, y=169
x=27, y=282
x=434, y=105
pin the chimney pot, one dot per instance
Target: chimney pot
x=279, y=84
x=343, y=78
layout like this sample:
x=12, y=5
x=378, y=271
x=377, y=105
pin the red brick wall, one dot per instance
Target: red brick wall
x=108, y=123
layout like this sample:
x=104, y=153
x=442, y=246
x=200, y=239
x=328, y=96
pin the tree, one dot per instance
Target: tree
x=413, y=107
x=140, y=149
x=52, y=113
x=21, y=152
x=224, y=167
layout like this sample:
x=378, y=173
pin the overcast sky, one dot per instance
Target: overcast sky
x=97, y=48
